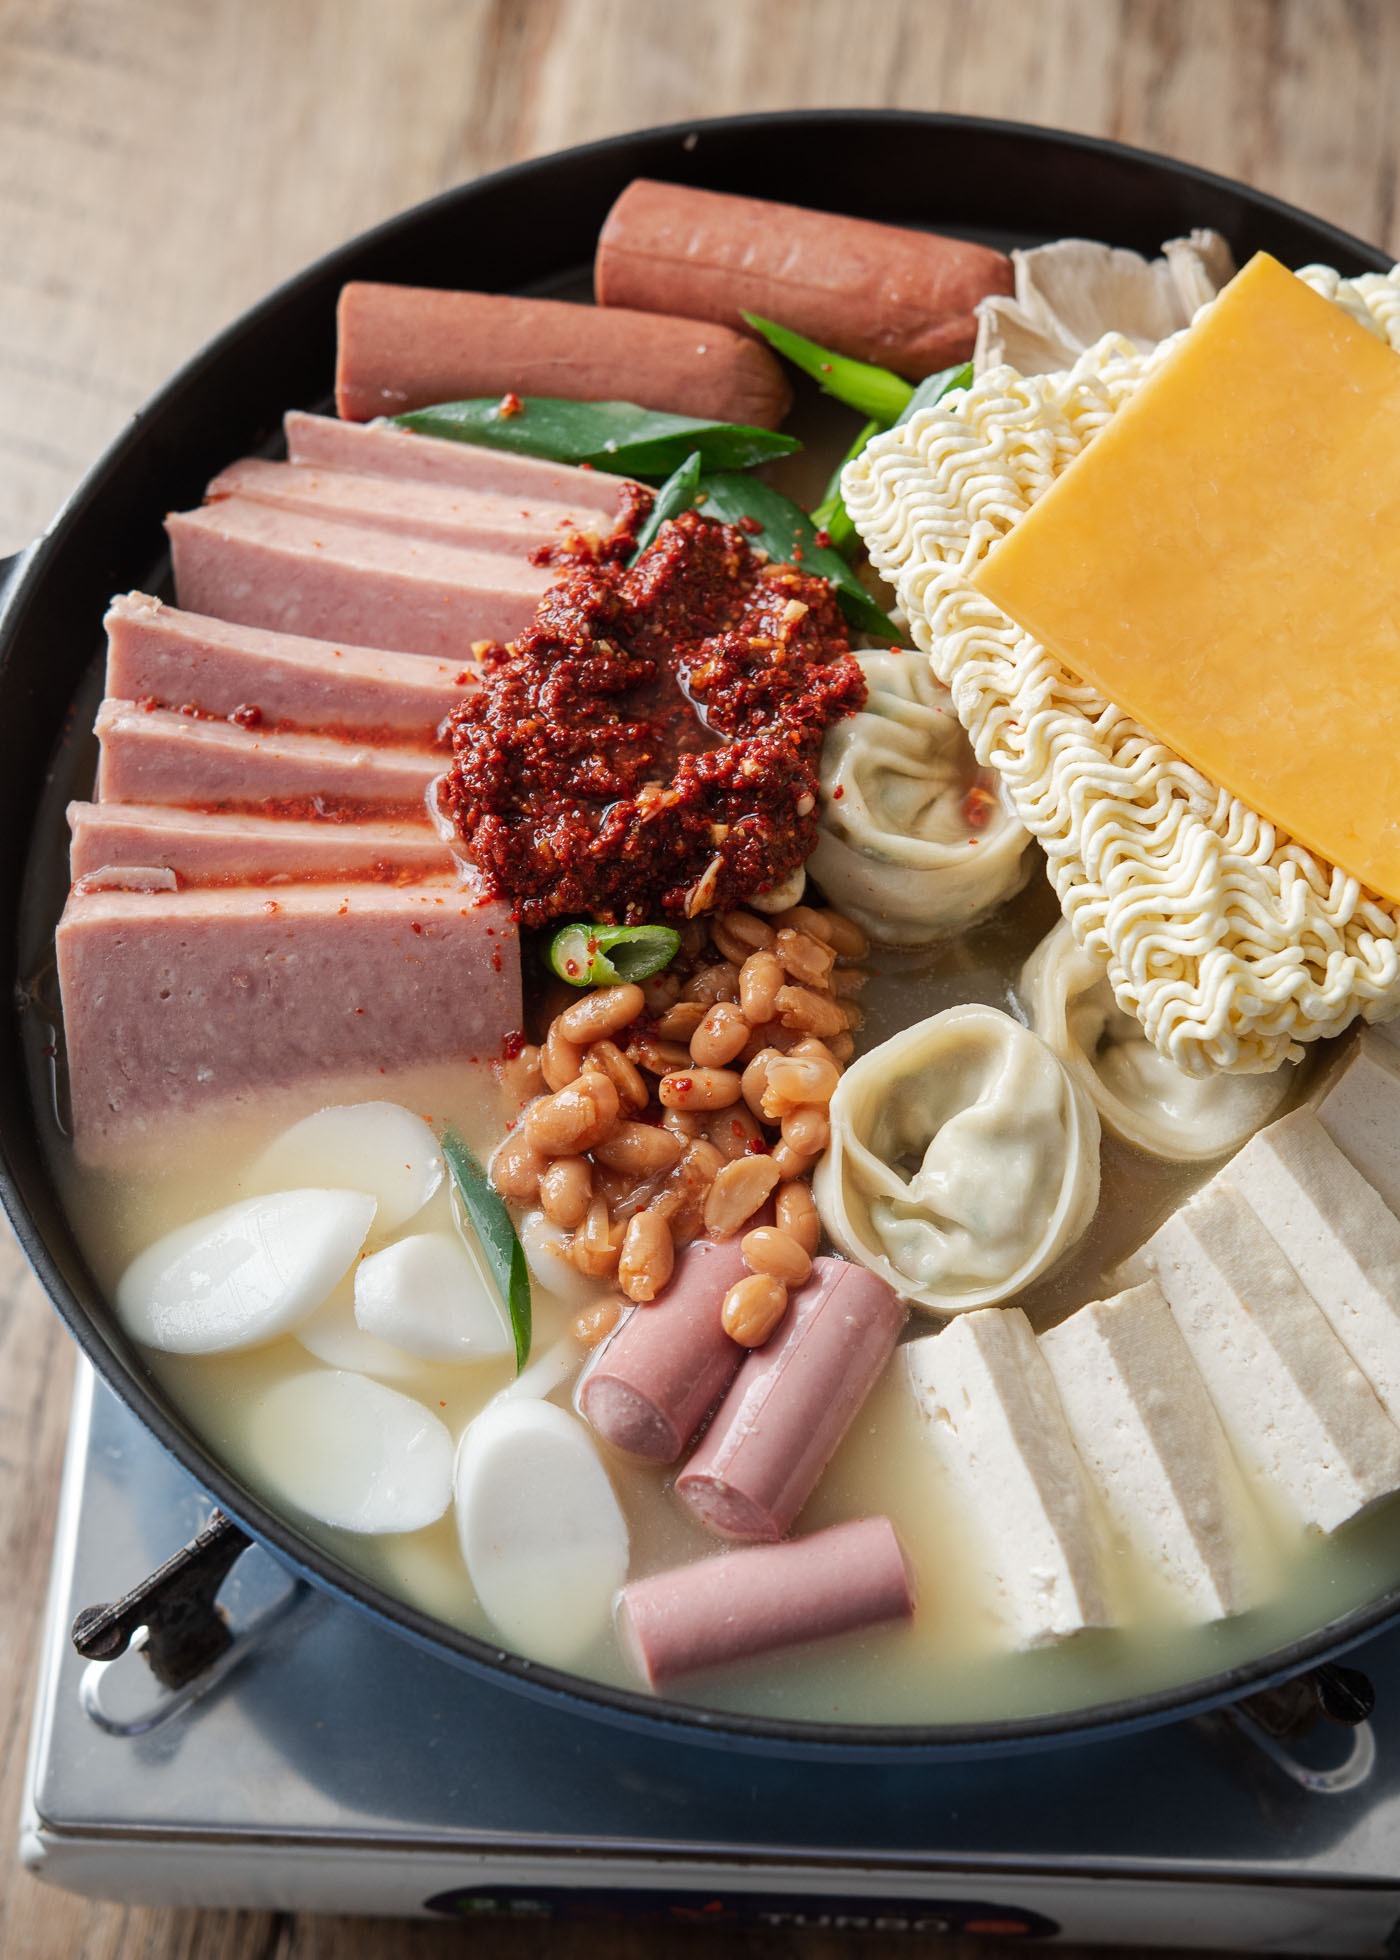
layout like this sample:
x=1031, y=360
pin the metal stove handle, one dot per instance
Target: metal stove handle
x=186, y=1631
x=1276, y=1717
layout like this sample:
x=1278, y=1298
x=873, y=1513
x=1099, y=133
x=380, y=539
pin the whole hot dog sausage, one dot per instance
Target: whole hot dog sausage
x=903, y=299
x=404, y=347
x=769, y=1596
x=667, y=1365
x=791, y=1403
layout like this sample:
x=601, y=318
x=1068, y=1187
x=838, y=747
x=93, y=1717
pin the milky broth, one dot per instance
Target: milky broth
x=949, y=1664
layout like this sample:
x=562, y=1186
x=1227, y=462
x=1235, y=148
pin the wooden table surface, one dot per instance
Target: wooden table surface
x=163, y=162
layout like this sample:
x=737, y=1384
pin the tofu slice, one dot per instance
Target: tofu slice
x=994, y=1417
x=1359, y=1107
x=1337, y=1233
x=1148, y=1435
x=1298, y=1411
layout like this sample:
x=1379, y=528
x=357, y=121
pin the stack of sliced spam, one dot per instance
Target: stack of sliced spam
x=260, y=895
x=1249, y=1368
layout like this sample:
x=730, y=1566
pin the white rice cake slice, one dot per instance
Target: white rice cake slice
x=1337, y=1233
x=1299, y=1412
x=1147, y=1432
x=994, y=1416
x=1359, y=1107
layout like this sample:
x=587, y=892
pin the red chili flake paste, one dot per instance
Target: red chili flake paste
x=650, y=746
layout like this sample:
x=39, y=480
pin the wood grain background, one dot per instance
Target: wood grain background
x=163, y=162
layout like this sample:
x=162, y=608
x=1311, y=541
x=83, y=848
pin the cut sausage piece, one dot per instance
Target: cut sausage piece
x=791, y=1403
x=379, y=449
x=235, y=847
x=904, y=299
x=177, y=1003
x=156, y=653
x=994, y=1417
x=152, y=755
x=474, y=520
x=404, y=347
x=1298, y=1411
x=746, y=1603
x=660, y=1374
x=262, y=567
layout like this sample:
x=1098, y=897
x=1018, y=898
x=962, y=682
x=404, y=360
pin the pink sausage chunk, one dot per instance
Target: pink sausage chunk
x=242, y=847
x=732, y=1608
x=667, y=1365
x=791, y=1403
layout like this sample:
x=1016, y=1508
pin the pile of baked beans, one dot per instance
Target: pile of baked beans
x=696, y=1102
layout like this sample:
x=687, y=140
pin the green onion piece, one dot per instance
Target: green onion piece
x=788, y=534
x=616, y=436
x=935, y=386
x=831, y=514
x=496, y=1236
x=605, y=956
x=676, y=494
x=875, y=391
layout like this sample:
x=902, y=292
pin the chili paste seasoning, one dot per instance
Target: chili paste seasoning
x=650, y=746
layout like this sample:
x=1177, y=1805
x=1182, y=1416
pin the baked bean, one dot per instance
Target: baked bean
x=737, y=934
x=818, y=1050
x=811, y=1013
x=719, y=1036
x=641, y=1149
x=760, y=982
x=847, y=980
x=683, y=1202
x=804, y=956
x=595, y=1245
x=683, y=1123
x=797, y=1079
x=657, y=1057
x=517, y=1167
x=808, y=1130
x=626, y=1078
x=798, y=1217
x=699, y=1088
x=648, y=1257
x=771, y=1250
x=679, y=1023
x=601, y=1013
x=574, y=1119
x=842, y=1048
x=805, y=918
x=737, y=1192
x=620, y=1190
x=713, y=983
x=595, y=1323
x=853, y=1015
x=521, y=1078
x=661, y=992
x=845, y=935
x=735, y=1132
x=695, y=937
x=791, y=1163
x=561, y=1060
x=566, y=1191
x=754, y=1081
x=752, y=1309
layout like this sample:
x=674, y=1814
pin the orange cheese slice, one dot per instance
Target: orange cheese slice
x=1223, y=562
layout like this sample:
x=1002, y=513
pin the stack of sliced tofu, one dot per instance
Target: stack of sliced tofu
x=1250, y=1366
x=260, y=896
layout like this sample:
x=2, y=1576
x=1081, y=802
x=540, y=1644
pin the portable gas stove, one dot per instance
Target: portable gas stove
x=321, y=1763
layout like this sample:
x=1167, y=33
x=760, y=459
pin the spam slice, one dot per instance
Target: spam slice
x=1298, y=1411
x=994, y=1417
x=1147, y=1433
x=157, y=653
x=1359, y=1107
x=904, y=299
x=242, y=847
x=379, y=449
x=404, y=347
x=247, y=562
x=176, y=1003
x=151, y=755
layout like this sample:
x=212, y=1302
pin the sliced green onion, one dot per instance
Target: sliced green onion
x=934, y=387
x=875, y=391
x=604, y=956
x=676, y=494
x=616, y=436
x=496, y=1236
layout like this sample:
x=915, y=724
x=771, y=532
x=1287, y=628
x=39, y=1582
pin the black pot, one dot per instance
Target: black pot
x=535, y=224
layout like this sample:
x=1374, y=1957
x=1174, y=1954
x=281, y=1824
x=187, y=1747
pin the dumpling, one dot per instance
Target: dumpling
x=964, y=1160
x=1140, y=1096
x=916, y=841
